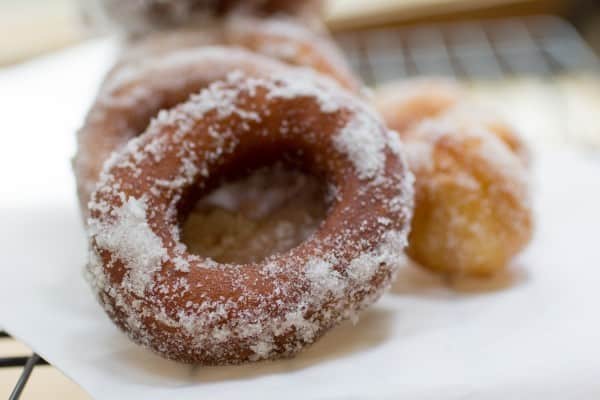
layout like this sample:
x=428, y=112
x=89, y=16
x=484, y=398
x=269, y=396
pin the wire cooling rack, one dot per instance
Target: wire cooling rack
x=496, y=49
x=490, y=49
x=27, y=362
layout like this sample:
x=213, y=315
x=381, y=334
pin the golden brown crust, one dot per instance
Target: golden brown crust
x=195, y=310
x=472, y=212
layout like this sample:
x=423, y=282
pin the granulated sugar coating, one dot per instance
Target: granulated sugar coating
x=135, y=93
x=472, y=209
x=195, y=309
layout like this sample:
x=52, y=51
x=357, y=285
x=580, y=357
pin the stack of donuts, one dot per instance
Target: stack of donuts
x=206, y=92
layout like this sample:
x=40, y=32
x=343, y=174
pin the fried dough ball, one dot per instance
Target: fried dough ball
x=472, y=211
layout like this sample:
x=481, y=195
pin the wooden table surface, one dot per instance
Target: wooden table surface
x=46, y=382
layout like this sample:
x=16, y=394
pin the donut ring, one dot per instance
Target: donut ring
x=195, y=310
x=472, y=209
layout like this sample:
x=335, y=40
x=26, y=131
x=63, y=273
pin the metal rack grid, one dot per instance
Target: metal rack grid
x=27, y=362
x=496, y=49
x=491, y=49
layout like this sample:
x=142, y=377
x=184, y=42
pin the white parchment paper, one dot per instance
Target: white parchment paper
x=531, y=333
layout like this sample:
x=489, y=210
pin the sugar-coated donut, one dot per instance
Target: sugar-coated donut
x=195, y=310
x=472, y=212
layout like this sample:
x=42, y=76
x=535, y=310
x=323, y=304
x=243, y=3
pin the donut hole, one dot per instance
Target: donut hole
x=268, y=211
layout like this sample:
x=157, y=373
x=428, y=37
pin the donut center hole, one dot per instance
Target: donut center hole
x=270, y=211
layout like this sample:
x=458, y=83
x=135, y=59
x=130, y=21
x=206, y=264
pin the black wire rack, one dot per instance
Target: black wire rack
x=494, y=49
x=491, y=49
x=28, y=363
